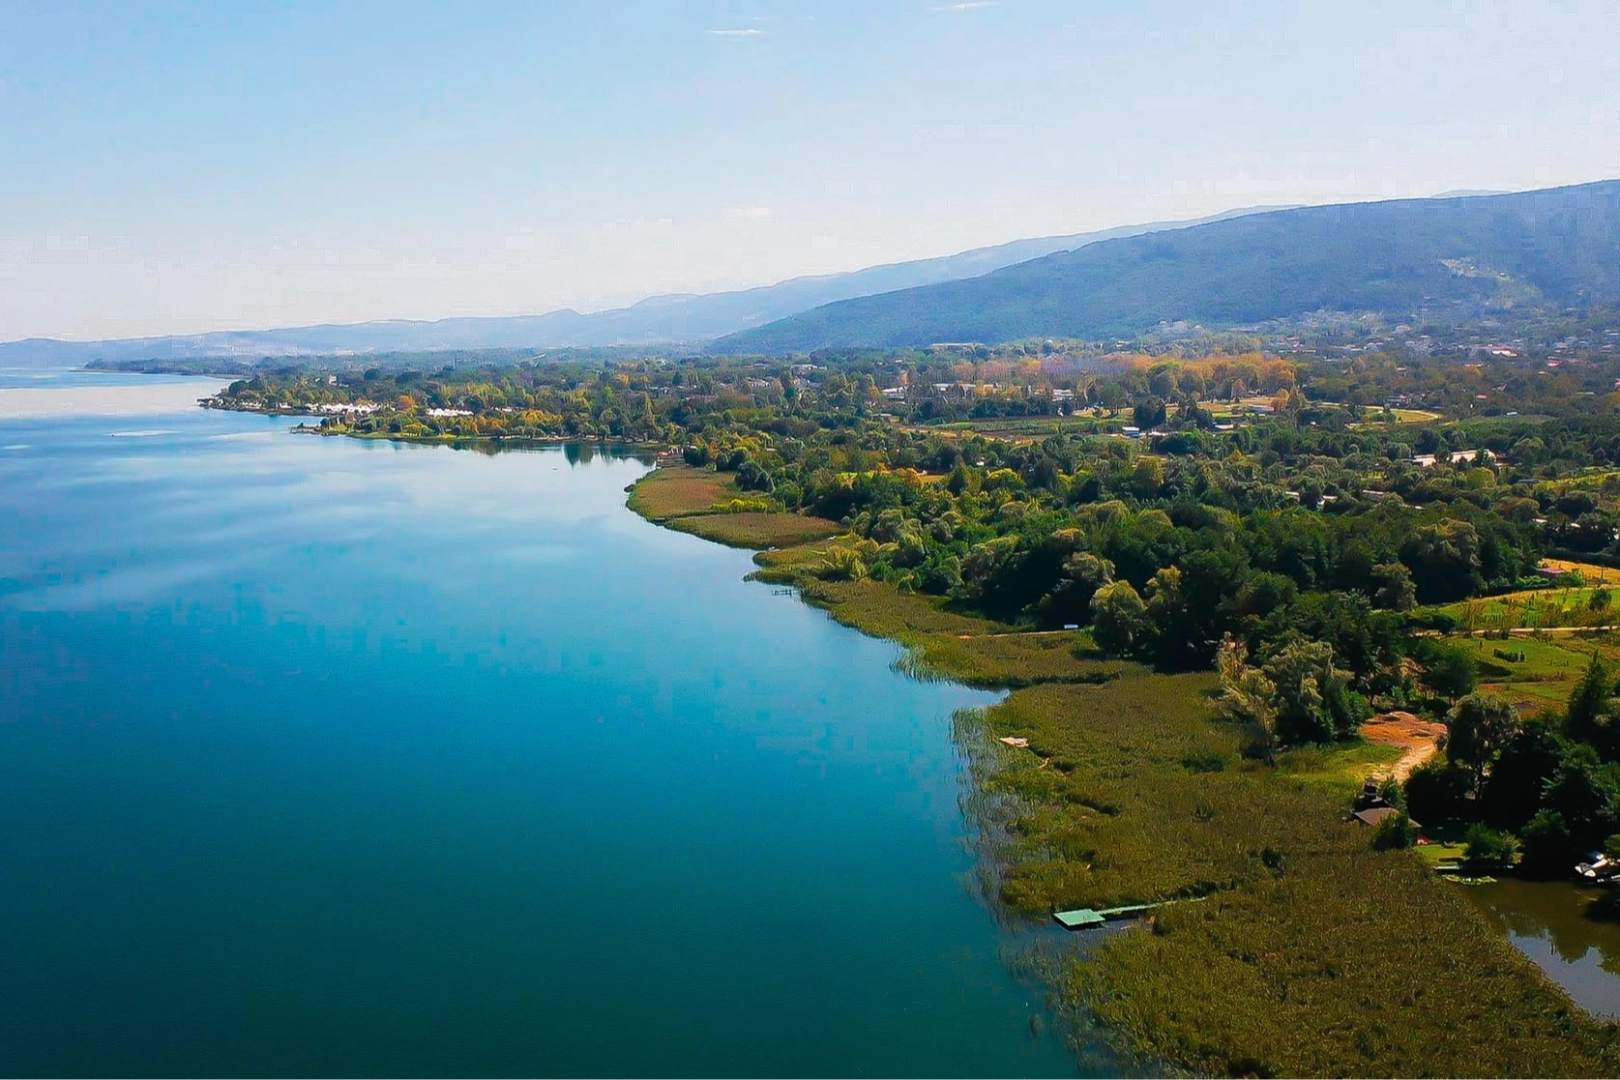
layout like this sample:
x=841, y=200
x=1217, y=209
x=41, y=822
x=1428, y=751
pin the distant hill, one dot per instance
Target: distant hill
x=674, y=318
x=1560, y=246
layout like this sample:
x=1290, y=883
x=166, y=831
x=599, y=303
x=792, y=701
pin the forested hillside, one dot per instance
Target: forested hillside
x=1417, y=258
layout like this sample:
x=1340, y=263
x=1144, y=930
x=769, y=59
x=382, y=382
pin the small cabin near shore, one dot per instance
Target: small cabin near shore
x=1372, y=809
x=1375, y=815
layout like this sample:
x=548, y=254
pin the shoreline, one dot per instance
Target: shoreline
x=1148, y=798
x=429, y=440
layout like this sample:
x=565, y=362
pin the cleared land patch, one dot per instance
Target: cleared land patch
x=1417, y=739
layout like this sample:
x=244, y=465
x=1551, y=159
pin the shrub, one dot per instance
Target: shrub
x=1549, y=846
x=1451, y=671
x=1394, y=832
x=1486, y=845
x=1437, y=791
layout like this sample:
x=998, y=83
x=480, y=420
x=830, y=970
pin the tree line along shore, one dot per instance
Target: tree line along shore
x=1199, y=574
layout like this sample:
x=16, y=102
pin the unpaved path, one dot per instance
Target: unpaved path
x=1418, y=739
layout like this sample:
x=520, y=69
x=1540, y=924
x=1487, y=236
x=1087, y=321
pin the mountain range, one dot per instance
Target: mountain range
x=1462, y=256
x=676, y=318
x=1455, y=256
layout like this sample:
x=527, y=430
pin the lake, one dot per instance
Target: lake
x=320, y=756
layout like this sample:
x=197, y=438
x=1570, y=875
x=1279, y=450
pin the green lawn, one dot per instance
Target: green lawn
x=1338, y=769
x=1536, y=674
x=1532, y=609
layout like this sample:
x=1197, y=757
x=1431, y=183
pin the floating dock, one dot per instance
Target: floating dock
x=1078, y=919
x=1087, y=918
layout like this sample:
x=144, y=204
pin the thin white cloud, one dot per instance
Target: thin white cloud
x=748, y=213
x=752, y=31
x=967, y=5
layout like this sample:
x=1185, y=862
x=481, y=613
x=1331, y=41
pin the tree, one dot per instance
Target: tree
x=1082, y=575
x=1149, y=413
x=1167, y=614
x=1588, y=716
x=1313, y=698
x=1445, y=561
x=1451, y=672
x=1437, y=790
x=1582, y=792
x=1549, y=847
x=1111, y=396
x=750, y=477
x=1478, y=727
x=1265, y=592
x=1247, y=696
x=1118, y=618
x=1485, y=845
x=1393, y=588
x=1514, y=789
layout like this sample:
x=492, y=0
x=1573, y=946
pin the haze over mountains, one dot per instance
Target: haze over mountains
x=1557, y=247
x=1456, y=255
x=677, y=318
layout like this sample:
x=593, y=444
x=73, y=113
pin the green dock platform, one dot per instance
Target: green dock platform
x=1079, y=919
x=1086, y=918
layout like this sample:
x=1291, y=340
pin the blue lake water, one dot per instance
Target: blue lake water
x=329, y=757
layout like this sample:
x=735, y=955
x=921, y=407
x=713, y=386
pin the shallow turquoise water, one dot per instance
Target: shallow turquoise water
x=329, y=757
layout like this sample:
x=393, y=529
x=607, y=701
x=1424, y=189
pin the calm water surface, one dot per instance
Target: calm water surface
x=1565, y=930
x=321, y=756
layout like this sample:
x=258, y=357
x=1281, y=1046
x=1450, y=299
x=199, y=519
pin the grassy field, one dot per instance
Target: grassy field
x=1533, y=609
x=677, y=490
x=1535, y=673
x=1592, y=572
x=1346, y=963
x=1312, y=954
x=943, y=643
x=1014, y=429
x=754, y=529
x=1415, y=416
x=1339, y=770
x=705, y=503
x=1307, y=954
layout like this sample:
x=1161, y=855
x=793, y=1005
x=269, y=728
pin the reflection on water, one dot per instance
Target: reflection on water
x=343, y=757
x=1569, y=932
x=58, y=395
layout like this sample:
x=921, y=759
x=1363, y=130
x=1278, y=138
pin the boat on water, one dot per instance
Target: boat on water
x=1598, y=869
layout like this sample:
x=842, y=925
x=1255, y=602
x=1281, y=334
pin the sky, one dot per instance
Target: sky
x=177, y=168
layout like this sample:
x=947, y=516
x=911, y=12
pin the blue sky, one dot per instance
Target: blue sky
x=178, y=168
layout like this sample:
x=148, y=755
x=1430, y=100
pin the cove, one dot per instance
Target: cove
x=322, y=756
x=1571, y=933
